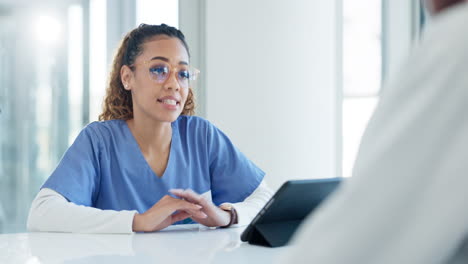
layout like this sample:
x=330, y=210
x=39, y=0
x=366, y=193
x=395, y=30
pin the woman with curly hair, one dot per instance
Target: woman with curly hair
x=149, y=163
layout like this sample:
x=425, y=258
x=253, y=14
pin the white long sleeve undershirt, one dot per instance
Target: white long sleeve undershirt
x=50, y=211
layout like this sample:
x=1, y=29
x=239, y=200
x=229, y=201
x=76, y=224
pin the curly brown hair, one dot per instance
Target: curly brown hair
x=117, y=103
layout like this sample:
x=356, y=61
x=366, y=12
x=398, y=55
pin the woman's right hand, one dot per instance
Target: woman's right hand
x=161, y=215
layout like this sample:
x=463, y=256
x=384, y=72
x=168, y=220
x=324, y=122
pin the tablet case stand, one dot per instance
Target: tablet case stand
x=279, y=219
x=273, y=234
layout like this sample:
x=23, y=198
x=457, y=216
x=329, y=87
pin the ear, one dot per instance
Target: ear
x=126, y=77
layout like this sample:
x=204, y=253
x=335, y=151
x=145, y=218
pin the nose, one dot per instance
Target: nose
x=172, y=82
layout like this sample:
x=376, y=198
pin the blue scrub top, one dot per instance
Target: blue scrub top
x=104, y=168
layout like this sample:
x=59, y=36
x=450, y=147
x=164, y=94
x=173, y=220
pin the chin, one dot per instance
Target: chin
x=168, y=118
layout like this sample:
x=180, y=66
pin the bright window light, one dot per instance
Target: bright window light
x=156, y=12
x=48, y=29
x=75, y=69
x=362, y=69
x=97, y=57
x=356, y=114
x=362, y=47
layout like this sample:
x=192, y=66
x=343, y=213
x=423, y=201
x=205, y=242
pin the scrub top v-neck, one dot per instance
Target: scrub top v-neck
x=105, y=168
x=136, y=148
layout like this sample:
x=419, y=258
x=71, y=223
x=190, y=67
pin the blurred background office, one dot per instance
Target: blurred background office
x=293, y=83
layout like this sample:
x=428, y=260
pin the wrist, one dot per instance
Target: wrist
x=228, y=208
x=138, y=221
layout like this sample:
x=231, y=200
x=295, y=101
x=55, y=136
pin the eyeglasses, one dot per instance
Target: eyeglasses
x=160, y=71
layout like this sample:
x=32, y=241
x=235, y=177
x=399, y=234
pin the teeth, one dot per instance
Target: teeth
x=170, y=102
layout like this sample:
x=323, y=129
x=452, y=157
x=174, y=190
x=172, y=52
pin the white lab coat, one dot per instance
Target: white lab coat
x=407, y=201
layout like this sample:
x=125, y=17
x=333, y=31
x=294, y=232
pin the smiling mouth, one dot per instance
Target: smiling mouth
x=168, y=101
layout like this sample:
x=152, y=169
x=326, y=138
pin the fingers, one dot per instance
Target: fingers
x=190, y=196
x=179, y=216
x=189, y=207
x=197, y=214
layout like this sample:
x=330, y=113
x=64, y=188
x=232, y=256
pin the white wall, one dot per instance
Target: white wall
x=271, y=83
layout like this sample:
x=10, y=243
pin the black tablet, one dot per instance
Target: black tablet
x=278, y=220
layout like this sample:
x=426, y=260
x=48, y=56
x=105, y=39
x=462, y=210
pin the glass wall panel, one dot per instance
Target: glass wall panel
x=34, y=102
x=39, y=101
x=53, y=75
x=97, y=57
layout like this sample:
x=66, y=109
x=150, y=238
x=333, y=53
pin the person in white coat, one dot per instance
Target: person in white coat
x=407, y=201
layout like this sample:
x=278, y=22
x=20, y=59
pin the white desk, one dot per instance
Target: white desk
x=189, y=244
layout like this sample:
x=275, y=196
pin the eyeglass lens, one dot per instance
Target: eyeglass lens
x=160, y=72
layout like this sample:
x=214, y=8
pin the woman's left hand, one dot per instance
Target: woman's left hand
x=215, y=215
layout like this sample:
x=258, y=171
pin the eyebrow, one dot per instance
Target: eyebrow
x=167, y=60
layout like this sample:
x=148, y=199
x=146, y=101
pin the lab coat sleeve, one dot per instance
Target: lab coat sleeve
x=249, y=208
x=50, y=211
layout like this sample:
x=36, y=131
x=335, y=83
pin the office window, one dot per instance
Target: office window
x=44, y=91
x=98, y=68
x=157, y=11
x=377, y=37
x=34, y=105
x=362, y=68
x=75, y=70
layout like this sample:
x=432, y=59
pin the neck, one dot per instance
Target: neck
x=151, y=136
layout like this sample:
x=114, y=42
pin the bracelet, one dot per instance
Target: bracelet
x=232, y=211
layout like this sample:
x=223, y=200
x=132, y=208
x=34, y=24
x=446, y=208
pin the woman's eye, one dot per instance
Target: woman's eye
x=184, y=75
x=159, y=70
